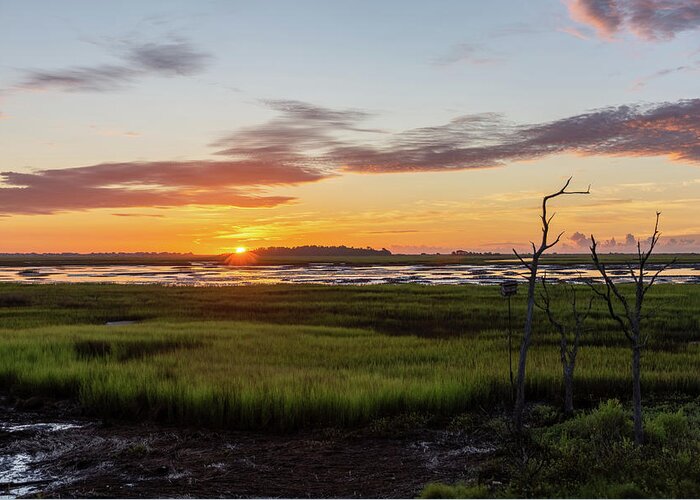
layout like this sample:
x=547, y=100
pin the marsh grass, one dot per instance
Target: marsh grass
x=282, y=357
x=593, y=455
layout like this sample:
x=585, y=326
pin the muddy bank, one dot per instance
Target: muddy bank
x=49, y=450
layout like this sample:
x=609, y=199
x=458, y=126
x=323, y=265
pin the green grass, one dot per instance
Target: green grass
x=286, y=357
x=593, y=455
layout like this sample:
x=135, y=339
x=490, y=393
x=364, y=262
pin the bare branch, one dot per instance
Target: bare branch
x=525, y=263
x=546, y=220
x=554, y=242
x=644, y=256
x=608, y=282
x=656, y=275
x=610, y=289
x=547, y=307
x=629, y=267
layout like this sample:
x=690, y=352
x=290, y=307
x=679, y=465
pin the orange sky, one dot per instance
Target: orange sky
x=486, y=210
x=415, y=126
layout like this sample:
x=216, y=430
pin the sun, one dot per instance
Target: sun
x=241, y=250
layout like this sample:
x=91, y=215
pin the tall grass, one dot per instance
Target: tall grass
x=290, y=357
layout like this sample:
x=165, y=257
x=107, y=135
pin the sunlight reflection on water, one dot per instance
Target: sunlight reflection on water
x=213, y=274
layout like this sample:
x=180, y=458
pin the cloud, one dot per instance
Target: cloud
x=647, y=19
x=148, y=184
x=628, y=244
x=604, y=16
x=302, y=133
x=89, y=78
x=168, y=59
x=487, y=140
x=159, y=216
x=575, y=32
x=393, y=231
x=466, y=53
x=176, y=58
x=110, y=132
x=306, y=143
x=640, y=83
x=580, y=240
x=332, y=141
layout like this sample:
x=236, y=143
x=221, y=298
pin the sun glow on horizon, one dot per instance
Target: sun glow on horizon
x=241, y=250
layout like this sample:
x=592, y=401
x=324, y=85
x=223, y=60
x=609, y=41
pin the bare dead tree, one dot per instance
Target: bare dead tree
x=630, y=318
x=569, y=337
x=532, y=265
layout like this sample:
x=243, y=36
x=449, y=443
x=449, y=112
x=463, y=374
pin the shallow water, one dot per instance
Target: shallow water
x=213, y=274
x=19, y=475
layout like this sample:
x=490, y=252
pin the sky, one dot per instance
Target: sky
x=203, y=126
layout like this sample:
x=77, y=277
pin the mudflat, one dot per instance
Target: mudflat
x=56, y=451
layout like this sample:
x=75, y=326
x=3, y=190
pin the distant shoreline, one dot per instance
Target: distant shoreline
x=38, y=260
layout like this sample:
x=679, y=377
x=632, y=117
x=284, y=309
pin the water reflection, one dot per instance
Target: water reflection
x=213, y=274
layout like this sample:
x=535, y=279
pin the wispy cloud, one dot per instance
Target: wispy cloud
x=320, y=138
x=467, y=53
x=575, y=32
x=393, y=231
x=173, y=58
x=647, y=19
x=483, y=141
x=302, y=133
x=640, y=83
x=111, y=132
x=159, y=216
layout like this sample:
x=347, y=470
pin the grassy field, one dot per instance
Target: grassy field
x=285, y=357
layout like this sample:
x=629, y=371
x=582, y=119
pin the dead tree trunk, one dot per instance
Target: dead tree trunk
x=569, y=390
x=637, y=393
x=569, y=339
x=532, y=267
x=630, y=318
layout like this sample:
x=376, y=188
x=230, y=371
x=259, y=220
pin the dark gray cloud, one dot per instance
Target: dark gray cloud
x=137, y=61
x=648, y=19
x=168, y=59
x=77, y=79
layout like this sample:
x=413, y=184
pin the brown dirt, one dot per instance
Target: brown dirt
x=148, y=460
